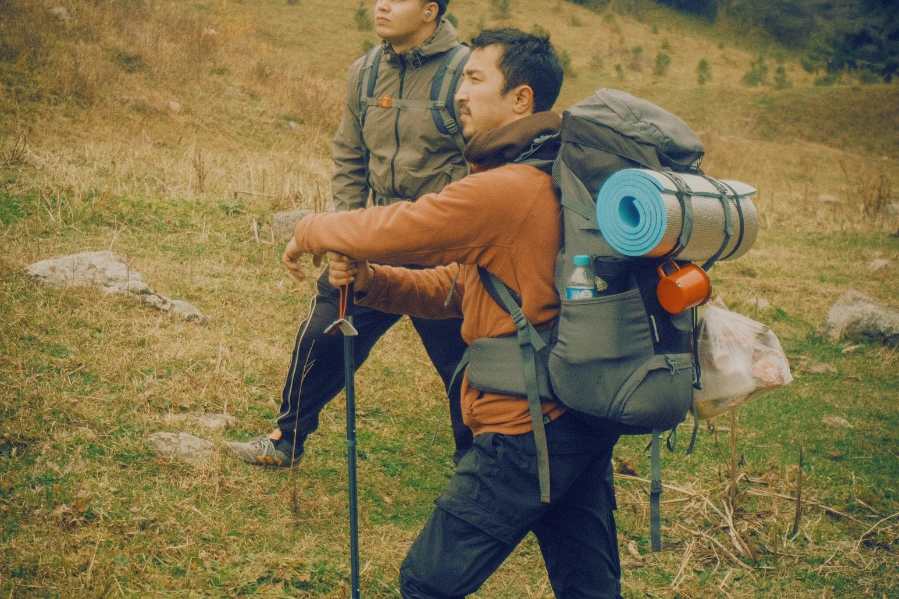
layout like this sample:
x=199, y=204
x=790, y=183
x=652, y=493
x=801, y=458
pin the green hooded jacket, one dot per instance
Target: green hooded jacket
x=407, y=156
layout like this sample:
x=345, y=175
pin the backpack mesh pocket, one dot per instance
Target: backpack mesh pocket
x=604, y=364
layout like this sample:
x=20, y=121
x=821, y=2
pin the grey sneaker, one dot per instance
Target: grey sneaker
x=267, y=450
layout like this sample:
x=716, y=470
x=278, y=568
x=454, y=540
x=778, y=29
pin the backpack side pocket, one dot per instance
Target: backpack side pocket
x=601, y=342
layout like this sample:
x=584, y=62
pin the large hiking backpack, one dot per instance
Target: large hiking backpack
x=443, y=90
x=619, y=356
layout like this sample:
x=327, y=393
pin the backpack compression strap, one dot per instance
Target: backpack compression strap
x=443, y=91
x=723, y=189
x=530, y=343
x=686, y=206
x=367, y=79
x=655, y=494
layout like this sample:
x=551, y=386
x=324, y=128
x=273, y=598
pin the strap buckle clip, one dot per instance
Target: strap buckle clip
x=385, y=101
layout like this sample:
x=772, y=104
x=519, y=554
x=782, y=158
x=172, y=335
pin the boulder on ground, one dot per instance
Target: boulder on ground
x=858, y=317
x=285, y=223
x=181, y=445
x=112, y=274
x=207, y=420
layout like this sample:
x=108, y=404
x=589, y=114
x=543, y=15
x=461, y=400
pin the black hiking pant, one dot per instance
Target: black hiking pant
x=493, y=501
x=316, y=372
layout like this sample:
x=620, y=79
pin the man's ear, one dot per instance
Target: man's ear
x=524, y=99
x=431, y=10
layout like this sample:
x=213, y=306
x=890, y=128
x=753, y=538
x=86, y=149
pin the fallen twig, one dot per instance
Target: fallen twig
x=720, y=546
x=870, y=530
x=826, y=508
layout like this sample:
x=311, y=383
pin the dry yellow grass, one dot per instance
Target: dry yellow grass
x=107, y=163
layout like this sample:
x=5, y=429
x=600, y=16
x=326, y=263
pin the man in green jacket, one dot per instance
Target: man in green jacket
x=389, y=147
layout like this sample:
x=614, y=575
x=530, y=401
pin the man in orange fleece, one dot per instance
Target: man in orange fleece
x=504, y=218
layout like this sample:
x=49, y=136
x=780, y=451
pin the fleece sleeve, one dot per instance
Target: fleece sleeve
x=419, y=293
x=472, y=221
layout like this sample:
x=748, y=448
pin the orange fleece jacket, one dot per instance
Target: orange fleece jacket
x=506, y=219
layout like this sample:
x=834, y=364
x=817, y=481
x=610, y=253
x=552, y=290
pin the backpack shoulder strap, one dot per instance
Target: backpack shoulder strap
x=367, y=79
x=530, y=344
x=443, y=93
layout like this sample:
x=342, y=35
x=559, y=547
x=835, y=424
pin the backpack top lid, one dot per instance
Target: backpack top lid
x=644, y=122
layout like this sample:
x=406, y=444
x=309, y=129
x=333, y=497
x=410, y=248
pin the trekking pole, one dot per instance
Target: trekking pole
x=345, y=324
x=349, y=367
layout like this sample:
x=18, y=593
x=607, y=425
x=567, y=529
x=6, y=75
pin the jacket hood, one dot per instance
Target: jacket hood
x=444, y=38
x=533, y=138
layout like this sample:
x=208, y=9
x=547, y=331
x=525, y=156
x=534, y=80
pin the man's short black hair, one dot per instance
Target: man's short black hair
x=526, y=59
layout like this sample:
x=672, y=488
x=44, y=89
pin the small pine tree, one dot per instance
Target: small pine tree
x=636, y=55
x=781, y=80
x=758, y=72
x=503, y=8
x=703, y=72
x=663, y=61
x=363, y=19
x=565, y=59
x=539, y=31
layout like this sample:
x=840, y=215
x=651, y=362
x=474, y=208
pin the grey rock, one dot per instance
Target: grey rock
x=836, y=421
x=826, y=198
x=893, y=209
x=858, y=317
x=112, y=274
x=104, y=269
x=285, y=223
x=879, y=264
x=762, y=303
x=61, y=13
x=187, y=311
x=174, y=106
x=210, y=421
x=182, y=445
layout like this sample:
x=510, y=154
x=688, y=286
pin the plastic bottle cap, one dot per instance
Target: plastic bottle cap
x=581, y=260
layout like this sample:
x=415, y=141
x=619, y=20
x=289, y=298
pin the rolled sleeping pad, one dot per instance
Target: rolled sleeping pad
x=639, y=214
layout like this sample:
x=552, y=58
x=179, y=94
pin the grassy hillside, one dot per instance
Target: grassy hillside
x=170, y=132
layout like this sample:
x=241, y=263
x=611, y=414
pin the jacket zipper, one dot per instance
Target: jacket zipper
x=396, y=132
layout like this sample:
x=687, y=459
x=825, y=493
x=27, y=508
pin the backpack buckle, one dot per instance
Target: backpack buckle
x=385, y=102
x=672, y=364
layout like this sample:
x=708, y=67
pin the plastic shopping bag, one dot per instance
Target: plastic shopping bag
x=739, y=358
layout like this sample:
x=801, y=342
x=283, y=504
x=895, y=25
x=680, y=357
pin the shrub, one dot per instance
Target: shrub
x=703, y=72
x=636, y=63
x=810, y=65
x=828, y=79
x=868, y=77
x=758, y=72
x=539, y=31
x=363, y=19
x=503, y=8
x=781, y=81
x=663, y=61
x=565, y=59
x=452, y=19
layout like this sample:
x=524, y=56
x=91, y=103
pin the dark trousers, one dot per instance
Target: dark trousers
x=493, y=501
x=316, y=372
